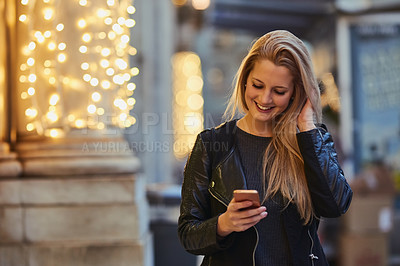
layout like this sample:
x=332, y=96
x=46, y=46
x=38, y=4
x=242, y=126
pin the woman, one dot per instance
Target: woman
x=275, y=148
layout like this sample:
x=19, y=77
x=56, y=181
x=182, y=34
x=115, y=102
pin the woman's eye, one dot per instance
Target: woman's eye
x=257, y=86
x=280, y=92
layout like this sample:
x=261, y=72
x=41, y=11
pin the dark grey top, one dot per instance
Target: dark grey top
x=273, y=247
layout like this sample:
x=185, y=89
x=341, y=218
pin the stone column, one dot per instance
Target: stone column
x=9, y=166
x=80, y=199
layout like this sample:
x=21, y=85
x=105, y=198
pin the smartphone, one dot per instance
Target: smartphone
x=247, y=194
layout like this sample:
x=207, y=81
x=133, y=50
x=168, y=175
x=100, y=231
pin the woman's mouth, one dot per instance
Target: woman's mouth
x=263, y=108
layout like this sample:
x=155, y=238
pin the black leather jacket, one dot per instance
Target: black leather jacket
x=213, y=171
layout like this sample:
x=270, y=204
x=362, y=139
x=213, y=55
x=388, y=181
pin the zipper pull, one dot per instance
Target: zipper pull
x=313, y=257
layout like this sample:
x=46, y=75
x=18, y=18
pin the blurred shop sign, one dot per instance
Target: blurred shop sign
x=375, y=50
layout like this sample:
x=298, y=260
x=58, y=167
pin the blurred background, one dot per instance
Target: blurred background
x=101, y=101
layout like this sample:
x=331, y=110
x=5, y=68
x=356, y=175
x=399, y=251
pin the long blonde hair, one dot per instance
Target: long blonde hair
x=283, y=163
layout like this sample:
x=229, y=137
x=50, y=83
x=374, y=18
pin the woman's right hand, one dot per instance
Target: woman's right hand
x=239, y=217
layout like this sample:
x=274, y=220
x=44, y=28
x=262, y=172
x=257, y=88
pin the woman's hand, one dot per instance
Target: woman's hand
x=239, y=217
x=305, y=121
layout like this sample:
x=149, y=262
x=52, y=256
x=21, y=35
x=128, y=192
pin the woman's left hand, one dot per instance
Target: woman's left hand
x=305, y=120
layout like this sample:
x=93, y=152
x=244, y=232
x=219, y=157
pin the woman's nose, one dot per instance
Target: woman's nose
x=266, y=96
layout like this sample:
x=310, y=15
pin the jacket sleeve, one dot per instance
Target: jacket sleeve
x=330, y=193
x=197, y=229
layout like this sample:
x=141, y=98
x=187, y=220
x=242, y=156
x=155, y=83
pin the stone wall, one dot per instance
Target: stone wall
x=73, y=221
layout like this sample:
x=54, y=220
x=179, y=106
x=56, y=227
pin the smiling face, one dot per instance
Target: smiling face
x=268, y=91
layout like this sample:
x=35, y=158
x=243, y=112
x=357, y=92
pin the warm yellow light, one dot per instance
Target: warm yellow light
x=91, y=109
x=24, y=2
x=52, y=80
x=47, y=34
x=87, y=37
x=195, y=83
x=121, y=21
x=48, y=13
x=40, y=39
x=110, y=71
x=132, y=51
x=96, y=97
x=22, y=78
x=100, y=125
x=201, y=4
x=47, y=71
x=30, y=61
x=23, y=67
x=104, y=63
x=22, y=18
x=100, y=111
x=32, y=46
x=94, y=82
x=125, y=38
x=131, y=101
x=81, y=23
x=130, y=23
x=55, y=133
x=102, y=35
x=52, y=46
x=30, y=127
x=54, y=99
x=66, y=80
x=123, y=117
x=83, y=2
x=31, y=91
x=31, y=112
x=87, y=77
x=80, y=123
x=105, y=52
x=83, y=49
x=128, y=93
x=71, y=118
x=52, y=116
x=32, y=78
x=61, y=57
x=118, y=79
x=47, y=63
x=111, y=35
x=134, y=71
x=195, y=101
x=105, y=84
x=26, y=51
x=110, y=2
x=108, y=21
x=126, y=76
x=37, y=34
x=60, y=27
x=131, y=10
x=121, y=64
x=122, y=104
x=131, y=86
x=102, y=13
x=24, y=95
x=62, y=46
x=84, y=66
x=119, y=52
x=117, y=28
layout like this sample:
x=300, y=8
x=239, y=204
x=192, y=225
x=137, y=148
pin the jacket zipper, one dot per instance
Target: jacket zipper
x=255, y=246
x=312, y=256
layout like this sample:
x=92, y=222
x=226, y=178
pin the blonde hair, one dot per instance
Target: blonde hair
x=283, y=163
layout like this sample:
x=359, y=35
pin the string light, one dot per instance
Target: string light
x=188, y=101
x=104, y=33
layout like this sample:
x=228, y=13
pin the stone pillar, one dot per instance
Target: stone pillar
x=80, y=200
x=9, y=166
